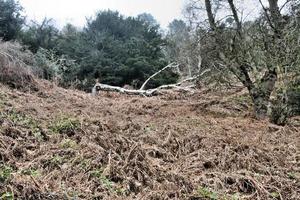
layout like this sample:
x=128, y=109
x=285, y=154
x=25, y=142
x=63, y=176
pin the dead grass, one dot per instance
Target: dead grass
x=14, y=69
x=203, y=146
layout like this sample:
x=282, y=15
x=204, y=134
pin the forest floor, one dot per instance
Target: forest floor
x=66, y=144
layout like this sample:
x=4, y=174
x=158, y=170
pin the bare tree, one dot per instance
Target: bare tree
x=234, y=56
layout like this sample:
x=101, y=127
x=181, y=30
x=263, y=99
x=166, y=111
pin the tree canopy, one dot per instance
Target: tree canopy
x=11, y=20
x=117, y=50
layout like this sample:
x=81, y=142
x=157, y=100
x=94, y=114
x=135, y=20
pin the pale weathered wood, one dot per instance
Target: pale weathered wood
x=150, y=92
x=172, y=65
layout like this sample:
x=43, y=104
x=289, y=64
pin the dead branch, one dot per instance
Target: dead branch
x=151, y=92
x=172, y=65
x=103, y=87
x=191, y=79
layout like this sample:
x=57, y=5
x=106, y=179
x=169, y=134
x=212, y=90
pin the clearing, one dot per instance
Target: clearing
x=66, y=144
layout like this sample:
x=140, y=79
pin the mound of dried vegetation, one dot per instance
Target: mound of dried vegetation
x=14, y=67
x=63, y=144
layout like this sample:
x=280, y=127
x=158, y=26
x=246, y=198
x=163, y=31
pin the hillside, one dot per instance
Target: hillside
x=65, y=144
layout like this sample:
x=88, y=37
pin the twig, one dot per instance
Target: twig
x=35, y=182
x=167, y=139
x=129, y=155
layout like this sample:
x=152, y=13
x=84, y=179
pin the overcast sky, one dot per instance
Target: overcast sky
x=76, y=11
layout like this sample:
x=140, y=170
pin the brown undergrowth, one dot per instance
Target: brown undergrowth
x=64, y=144
x=14, y=67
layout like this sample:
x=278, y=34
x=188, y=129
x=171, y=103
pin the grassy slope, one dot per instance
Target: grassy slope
x=61, y=144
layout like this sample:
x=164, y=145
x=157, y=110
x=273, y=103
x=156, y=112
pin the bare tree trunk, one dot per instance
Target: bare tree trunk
x=210, y=15
x=275, y=15
x=235, y=16
x=260, y=93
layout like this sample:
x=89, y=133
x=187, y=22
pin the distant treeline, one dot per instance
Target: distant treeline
x=117, y=50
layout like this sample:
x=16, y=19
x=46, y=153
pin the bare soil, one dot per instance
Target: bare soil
x=66, y=144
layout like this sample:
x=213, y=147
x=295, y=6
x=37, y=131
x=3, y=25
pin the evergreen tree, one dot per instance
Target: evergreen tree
x=11, y=20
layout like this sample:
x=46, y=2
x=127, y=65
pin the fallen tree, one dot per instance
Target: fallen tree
x=152, y=92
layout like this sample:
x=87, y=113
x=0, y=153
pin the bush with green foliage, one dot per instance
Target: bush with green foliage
x=11, y=20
